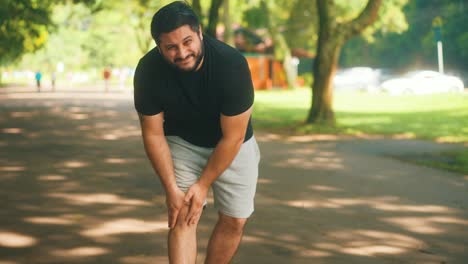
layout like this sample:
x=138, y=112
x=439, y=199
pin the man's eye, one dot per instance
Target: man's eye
x=188, y=42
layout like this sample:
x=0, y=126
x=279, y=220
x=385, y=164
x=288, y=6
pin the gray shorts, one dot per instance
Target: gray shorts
x=234, y=190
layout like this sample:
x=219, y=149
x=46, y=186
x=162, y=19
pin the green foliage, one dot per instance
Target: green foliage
x=255, y=17
x=94, y=40
x=65, y=44
x=449, y=160
x=301, y=27
x=135, y=17
x=24, y=27
x=441, y=117
x=416, y=47
x=438, y=117
x=347, y=10
x=97, y=34
x=308, y=78
x=391, y=19
x=454, y=34
x=298, y=19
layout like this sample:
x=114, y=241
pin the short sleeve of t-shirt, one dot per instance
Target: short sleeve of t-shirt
x=144, y=83
x=238, y=92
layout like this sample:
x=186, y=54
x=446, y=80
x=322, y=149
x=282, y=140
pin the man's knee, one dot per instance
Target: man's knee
x=232, y=224
x=181, y=223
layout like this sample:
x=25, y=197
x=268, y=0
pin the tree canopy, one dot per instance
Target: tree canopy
x=24, y=27
x=414, y=45
x=96, y=33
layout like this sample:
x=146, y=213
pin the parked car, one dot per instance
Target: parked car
x=422, y=82
x=362, y=79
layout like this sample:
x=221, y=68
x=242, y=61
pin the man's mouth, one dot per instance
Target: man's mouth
x=185, y=60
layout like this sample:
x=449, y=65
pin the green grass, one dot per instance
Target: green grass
x=442, y=117
x=438, y=117
x=452, y=160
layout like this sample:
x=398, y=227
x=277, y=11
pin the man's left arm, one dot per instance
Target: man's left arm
x=233, y=129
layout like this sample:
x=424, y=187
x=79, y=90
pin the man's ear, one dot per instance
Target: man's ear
x=200, y=32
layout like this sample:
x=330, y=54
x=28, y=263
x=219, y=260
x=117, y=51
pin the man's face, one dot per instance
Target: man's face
x=182, y=48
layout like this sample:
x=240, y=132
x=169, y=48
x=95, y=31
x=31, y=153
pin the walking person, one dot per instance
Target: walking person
x=194, y=98
x=106, y=74
x=38, y=78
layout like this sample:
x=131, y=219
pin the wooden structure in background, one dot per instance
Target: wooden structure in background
x=266, y=72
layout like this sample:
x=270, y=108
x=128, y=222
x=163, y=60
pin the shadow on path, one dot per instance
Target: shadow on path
x=76, y=187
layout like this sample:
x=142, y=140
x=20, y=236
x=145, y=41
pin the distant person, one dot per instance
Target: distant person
x=53, y=77
x=194, y=97
x=106, y=75
x=38, y=80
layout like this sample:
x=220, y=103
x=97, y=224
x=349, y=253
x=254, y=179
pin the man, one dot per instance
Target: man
x=38, y=78
x=194, y=97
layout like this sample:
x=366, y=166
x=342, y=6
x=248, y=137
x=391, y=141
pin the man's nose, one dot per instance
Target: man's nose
x=183, y=52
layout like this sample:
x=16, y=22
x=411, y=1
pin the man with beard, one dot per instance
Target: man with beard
x=194, y=97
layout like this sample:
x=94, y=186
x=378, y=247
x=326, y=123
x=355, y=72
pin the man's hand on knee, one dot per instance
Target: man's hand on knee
x=196, y=196
x=174, y=202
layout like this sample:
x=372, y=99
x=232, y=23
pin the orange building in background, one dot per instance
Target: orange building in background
x=266, y=72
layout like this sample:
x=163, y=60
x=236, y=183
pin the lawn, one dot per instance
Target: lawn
x=441, y=117
x=438, y=117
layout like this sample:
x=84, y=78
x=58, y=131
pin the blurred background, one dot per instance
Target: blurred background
x=97, y=43
x=337, y=125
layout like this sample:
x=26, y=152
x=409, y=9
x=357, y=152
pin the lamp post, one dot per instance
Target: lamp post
x=437, y=27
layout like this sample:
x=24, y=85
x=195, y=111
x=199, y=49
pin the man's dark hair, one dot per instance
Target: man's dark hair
x=171, y=17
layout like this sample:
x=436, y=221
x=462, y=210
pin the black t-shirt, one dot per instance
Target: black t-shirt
x=193, y=101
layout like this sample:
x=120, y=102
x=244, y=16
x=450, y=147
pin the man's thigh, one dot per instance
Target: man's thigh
x=188, y=160
x=234, y=190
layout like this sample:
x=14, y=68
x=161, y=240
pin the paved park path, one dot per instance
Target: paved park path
x=75, y=187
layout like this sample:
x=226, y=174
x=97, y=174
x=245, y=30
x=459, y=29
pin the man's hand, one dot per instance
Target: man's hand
x=174, y=202
x=195, y=196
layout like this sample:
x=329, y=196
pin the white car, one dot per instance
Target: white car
x=363, y=79
x=423, y=82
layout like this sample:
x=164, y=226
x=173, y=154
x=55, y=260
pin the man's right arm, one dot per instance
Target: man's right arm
x=159, y=154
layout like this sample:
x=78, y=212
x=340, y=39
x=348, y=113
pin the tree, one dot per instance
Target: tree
x=24, y=28
x=274, y=16
x=139, y=14
x=214, y=7
x=213, y=17
x=301, y=26
x=415, y=47
x=332, y=35
x=282, y=50
x=196, y=5
x=83, y=39
x=228, y=34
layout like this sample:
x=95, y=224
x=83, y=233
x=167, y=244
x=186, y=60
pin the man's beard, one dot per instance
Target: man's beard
x=198, y=60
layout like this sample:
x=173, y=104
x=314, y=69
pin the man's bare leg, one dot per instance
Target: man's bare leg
x=182, y=241
x=225, y=239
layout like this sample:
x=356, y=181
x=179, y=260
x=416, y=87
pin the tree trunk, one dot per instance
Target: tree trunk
x=332, y=36
x=213, y=17
x=282, y=51
x=228, y=34
x=325, y=65
x=197, y=8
